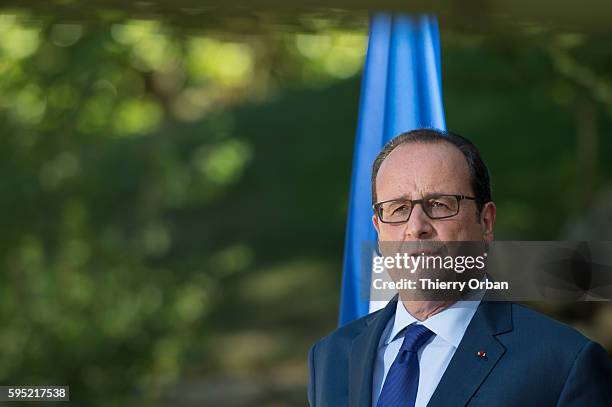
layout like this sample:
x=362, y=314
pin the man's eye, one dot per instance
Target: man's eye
x=400, y=209
x=438, y=204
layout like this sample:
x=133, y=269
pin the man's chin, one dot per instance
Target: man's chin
x=431, y=285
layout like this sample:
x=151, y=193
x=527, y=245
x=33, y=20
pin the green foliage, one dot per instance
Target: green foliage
x=114, y=243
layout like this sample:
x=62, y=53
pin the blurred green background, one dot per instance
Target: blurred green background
x=174, y=195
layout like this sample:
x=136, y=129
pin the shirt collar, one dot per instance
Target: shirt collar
x=449, y=324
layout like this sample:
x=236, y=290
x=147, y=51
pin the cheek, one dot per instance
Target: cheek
x=390, y=232
x=461, y=231
x=458, y=229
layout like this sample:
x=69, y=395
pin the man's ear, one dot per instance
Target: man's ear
x=487, y=220
x=375, y=222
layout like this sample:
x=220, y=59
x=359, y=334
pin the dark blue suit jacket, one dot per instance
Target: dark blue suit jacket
x=531, y=360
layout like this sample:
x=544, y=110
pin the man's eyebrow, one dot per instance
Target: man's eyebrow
x=407, y=197
x=400, y=198
x=436, y=192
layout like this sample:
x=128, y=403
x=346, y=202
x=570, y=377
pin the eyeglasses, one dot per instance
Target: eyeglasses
x=434, y=206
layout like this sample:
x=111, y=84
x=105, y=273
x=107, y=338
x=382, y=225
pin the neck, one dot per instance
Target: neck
x=422, y=310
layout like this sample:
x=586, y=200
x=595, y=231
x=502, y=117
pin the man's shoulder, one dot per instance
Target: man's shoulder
x=345, y=334
x=541, y=328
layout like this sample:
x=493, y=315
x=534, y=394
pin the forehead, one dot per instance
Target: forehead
x=416, y=169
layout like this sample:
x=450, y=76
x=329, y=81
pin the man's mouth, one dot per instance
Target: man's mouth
x=417, y=253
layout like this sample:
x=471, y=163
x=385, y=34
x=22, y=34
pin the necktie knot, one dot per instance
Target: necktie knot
x=414, y=337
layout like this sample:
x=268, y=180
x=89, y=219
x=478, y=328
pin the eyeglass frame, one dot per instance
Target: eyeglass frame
x=414, y=202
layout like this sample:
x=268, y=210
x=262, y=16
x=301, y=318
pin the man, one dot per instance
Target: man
x=450, y=353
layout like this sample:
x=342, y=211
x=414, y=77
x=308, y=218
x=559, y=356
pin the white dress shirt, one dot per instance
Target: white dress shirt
x=448, y=327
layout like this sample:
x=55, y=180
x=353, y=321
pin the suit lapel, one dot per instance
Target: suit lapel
x=363, y=356
x=467, y=371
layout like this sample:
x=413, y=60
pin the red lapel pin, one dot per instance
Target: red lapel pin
x=481, y=354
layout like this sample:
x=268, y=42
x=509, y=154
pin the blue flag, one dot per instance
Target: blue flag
x=401, y=90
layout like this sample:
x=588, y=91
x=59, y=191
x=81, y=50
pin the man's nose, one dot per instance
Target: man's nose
x=419, y=225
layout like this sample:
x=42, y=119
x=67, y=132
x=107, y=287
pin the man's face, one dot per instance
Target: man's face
x=415, y=170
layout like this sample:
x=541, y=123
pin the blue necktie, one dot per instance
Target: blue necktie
x=402, y=382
